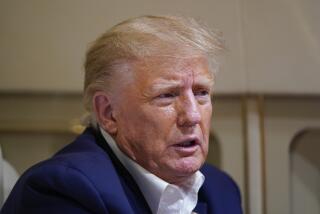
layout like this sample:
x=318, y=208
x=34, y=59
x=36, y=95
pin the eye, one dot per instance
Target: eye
x=202, y=93
x=167, y=95
x=165, y=99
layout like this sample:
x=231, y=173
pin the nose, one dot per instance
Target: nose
x=189, y=114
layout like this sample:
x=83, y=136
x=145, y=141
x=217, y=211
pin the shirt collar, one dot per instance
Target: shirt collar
x=152, y=186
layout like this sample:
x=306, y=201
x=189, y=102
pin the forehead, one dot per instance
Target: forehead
x=172, y=68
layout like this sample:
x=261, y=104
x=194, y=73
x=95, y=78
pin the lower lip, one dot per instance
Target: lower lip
x=186, y=150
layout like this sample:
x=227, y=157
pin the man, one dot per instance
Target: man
x=148, y=86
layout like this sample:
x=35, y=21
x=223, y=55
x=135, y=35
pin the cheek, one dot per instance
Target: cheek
x=206, y=115
x=162, y=125
x=130, y=122
x=206, y=122
x=151, y=124
x=154, y=132
x=160, y=118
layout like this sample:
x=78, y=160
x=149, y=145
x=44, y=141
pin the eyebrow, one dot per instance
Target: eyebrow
x=165, y=84
x=204, y=81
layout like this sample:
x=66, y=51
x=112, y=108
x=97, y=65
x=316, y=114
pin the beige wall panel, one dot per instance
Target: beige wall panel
x=24, y=149
x=305, y=173
x=228, y=130
x=43, y=42
x=282, y=46
x=284, y=119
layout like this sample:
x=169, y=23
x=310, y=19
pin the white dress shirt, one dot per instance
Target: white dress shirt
x=162, y=197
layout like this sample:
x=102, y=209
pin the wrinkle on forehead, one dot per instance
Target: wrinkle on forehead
x=170, y=64
x=153, y=74
x=163, y=83
x=191, y=72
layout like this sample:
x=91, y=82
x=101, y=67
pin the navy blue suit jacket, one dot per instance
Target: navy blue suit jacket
x=86, y=177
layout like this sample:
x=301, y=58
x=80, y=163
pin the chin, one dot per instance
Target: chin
x=188, y=166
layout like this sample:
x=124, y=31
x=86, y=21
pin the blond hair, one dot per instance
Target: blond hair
x=144, y=36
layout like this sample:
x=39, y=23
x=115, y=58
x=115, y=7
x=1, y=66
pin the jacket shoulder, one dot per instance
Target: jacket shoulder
x=51, y=186
x=67, y=180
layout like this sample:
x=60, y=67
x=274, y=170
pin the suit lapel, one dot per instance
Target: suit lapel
x=134, y=194
x=201, y=208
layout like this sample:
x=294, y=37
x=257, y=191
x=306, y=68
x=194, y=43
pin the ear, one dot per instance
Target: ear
x=104, y=112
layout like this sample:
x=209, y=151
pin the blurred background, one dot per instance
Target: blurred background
x=266, y=122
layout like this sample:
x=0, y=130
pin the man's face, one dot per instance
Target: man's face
x=163, y=115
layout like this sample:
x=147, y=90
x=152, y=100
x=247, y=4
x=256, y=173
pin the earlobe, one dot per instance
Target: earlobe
x=104, y=112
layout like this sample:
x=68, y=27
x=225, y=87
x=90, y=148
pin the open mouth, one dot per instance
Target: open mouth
x=187, y=144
